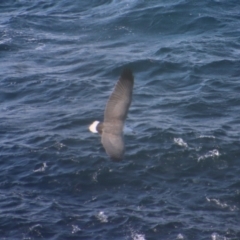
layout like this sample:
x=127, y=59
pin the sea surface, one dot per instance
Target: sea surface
x=180, y=177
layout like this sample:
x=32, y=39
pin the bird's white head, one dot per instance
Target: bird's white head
x=93, y=127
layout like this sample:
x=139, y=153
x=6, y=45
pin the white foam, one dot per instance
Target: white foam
x=206, y=136
x=137, y=236
x=221, y=204
x=93, y=127
x=180, y=236
x=102, y=217
x=128, y=130
x=216, y=236
x=40, y=47
x=180, y=142
x=213, y=153
x=75, y=229
x=41, y=169
x=35, y=226
x=217, y=202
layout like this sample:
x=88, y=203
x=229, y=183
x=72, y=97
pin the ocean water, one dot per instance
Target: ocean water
x=180, y=178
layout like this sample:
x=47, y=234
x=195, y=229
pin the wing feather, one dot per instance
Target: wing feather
x=115, y=114
x=120, y=99
x=113, y=145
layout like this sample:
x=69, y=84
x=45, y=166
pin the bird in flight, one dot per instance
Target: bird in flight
x=111, y=129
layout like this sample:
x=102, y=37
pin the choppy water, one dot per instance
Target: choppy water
x=180, y=178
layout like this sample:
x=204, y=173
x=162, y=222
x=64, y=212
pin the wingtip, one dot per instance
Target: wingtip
x=127, y=74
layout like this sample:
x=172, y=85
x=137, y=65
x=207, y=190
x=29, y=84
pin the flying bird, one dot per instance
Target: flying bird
x=111, y=129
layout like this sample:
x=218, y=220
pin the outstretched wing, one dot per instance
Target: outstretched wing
x=118, y=103
x=113, y=145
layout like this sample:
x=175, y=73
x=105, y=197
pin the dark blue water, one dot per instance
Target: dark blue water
x=180, y=178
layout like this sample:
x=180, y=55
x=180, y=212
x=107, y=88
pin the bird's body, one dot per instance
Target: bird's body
x=116, y=110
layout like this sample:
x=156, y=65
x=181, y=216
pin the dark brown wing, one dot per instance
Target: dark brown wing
x=113, y=145
x=118, y=103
